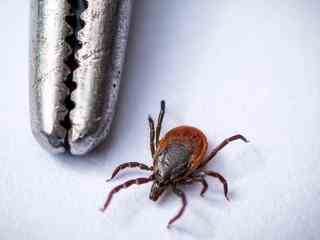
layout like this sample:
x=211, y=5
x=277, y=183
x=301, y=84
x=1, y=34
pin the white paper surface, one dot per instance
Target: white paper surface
x=250, y=67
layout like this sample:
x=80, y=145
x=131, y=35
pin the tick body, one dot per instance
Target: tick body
x=178, y=159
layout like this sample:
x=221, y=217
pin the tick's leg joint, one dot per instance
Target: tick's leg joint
x=199, y=178
x=221, y=179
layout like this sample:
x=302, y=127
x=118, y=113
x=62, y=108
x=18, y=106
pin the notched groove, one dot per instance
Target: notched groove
x=76, y=24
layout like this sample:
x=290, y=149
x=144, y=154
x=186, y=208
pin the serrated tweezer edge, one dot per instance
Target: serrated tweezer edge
x=94, y=86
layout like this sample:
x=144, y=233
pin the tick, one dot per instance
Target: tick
x=178, y=159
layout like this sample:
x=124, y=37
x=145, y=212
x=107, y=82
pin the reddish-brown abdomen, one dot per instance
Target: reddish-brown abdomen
x=192, y=137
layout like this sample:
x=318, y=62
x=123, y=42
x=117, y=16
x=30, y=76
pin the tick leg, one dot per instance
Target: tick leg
x=222, y=145
x=221, y=178
x=180, y=194
x=199, y=179
x=205, y=186
x=160, y=119
x=137, y=181
x=129, y=165
x=151, y=126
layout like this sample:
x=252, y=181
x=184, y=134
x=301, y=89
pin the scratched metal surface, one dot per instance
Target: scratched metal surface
x=48, y=72
x=224, y=66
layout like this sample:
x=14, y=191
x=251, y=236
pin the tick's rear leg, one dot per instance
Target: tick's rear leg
x=180, y=194
x=160, y=119
x=220, y=177
x=222, y=145
x=137, y=181
x=130, y=165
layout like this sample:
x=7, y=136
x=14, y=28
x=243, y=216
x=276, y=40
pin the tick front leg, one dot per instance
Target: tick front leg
x=180, y=194
x=151, y=126
x=127, y=184
x=222, y=145
x=160, y=119
x=221, y=178
x=129, y=165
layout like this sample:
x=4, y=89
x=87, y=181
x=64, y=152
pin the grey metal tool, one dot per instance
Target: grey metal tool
x=77, y=53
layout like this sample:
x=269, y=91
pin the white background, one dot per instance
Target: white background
x=225, y=66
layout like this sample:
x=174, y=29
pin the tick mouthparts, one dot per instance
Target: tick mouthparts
x=153, y=198
x=77, y=53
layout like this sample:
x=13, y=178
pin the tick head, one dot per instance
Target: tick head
x=156, y=190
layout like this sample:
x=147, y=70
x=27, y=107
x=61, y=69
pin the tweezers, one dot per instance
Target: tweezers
x=77, y=55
